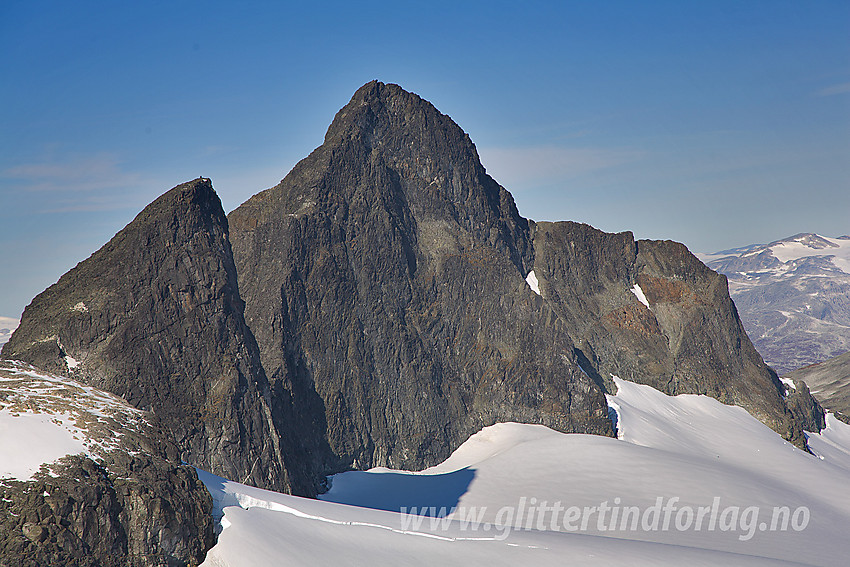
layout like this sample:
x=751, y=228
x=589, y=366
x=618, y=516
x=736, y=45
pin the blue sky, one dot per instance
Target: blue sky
x=716, y=124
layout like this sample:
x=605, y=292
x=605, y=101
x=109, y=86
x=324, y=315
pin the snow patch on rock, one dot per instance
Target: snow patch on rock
x=44, y=418
x=531, y=280
x=640, y=295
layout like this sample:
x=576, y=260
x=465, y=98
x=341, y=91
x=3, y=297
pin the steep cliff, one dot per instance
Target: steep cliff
x=155, y=317
x=395, y=302
x=384, y=280
x=651, y=312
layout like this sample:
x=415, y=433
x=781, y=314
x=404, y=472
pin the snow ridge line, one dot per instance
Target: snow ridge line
x=245, y=502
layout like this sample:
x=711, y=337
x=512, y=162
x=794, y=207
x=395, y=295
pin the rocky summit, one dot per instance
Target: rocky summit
x=384, y=279
x=155, y=317
x=381, y=304
x=401, y=301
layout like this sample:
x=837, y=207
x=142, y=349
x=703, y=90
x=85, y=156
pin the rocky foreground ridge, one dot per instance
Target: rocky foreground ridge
x=114, y=492
x=381, y=304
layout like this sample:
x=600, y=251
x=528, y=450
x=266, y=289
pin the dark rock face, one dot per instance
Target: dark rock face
x=129, y=503
x=93, y=515
x=830, y=384
x=806, y=408
x=687, y=340
x=155, y=317
x=383, y=279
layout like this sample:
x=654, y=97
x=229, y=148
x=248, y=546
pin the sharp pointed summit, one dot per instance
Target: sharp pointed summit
x=155, y=317
x=403, y=318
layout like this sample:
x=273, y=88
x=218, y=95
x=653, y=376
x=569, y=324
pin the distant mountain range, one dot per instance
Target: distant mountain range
x=793, y=296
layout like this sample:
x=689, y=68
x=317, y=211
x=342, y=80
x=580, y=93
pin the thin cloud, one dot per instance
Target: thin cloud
x=87, y=183
x=519, y=168
x=835, y=90
x=82, y=174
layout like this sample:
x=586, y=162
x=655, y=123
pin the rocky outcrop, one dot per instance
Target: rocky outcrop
x=384, y=280
x=145, y=514
x=155, y=317
x=650, y=312
x=805, y=407
x=830, y=384
x=126, y=501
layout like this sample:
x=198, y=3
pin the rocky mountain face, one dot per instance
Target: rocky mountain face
x=155, y=317
x=125, y=501
x=652, y=313
x=829, y=382
x=805, y=407
x=793, y=296
x=384, y=280
x=395, y=302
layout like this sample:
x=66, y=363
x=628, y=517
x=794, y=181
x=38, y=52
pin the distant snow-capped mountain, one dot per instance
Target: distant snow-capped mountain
x=793, y=296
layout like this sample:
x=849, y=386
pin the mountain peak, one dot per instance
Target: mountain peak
x=381, y=113
x=155, y=317
x=192, y=200
x=375, y=89
x=378, y=94
x=199, y=189
x=389, y=146
x=807, y=239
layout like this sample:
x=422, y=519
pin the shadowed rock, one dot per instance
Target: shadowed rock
x=650, y=312
x=384, y=280
x=155, y=317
